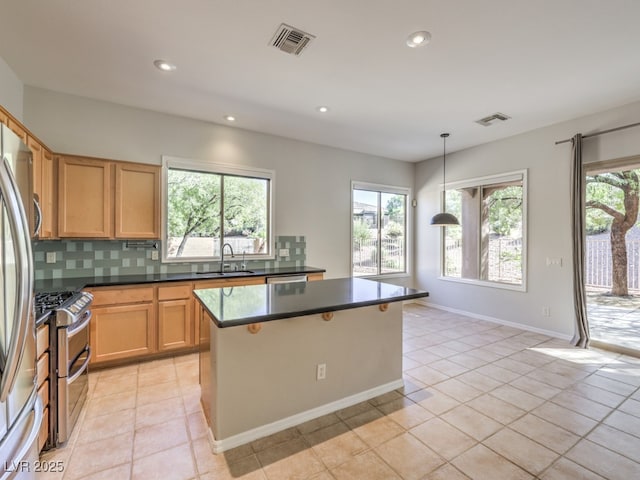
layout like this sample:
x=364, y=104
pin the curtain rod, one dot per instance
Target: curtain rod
x=600, y=133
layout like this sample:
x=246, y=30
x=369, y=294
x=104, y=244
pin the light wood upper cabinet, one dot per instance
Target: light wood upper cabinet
x=137, y=201
x=17, y=128
x=107, y=199
x=84, y=198
x=42, y=175
x=47, y=194
x=44, y=186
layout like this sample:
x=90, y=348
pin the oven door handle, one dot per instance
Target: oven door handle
x=84, y=366
x=77, y=328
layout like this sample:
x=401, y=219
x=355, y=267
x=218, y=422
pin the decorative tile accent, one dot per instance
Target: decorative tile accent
x=98, y=258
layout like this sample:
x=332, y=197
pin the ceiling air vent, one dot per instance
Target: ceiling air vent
x=291, y=40
x=488, y=121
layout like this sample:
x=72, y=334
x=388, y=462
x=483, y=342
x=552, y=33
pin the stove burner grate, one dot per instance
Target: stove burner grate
x=50, y=301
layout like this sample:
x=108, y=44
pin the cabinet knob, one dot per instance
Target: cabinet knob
x=254, y=327
x=326, y=316
x=383, y=307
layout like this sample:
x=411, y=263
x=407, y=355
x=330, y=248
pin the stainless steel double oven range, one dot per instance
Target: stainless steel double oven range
x=69, y=321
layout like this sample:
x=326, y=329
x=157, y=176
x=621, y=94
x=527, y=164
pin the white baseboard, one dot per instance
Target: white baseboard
x=521, y=326
x=219, y=446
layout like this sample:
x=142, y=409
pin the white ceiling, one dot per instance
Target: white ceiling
x=541, y=62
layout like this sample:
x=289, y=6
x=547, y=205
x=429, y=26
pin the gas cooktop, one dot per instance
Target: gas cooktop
x=45, y=302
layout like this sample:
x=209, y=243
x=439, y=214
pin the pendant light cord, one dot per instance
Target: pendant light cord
x=444, y=170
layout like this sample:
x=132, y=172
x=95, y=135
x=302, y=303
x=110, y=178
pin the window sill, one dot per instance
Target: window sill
x=229, y=259
x=383, y=276
x=484, y=283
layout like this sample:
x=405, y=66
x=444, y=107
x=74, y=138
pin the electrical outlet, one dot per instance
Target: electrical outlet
x=554, y=262
x=546, y=311
x=284, y=252
x=154, y=255
x=321, y=371
x=51, y=257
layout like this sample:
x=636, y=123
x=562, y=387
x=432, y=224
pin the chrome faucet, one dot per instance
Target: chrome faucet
x=222, y=255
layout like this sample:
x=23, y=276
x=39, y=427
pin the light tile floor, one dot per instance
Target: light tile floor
x=480, y=401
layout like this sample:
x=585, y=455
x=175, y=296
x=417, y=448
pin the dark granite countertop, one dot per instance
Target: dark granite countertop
x=232, y=306
x=74, y=284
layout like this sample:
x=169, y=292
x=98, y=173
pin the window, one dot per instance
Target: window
x=490, y=243
x=208, y=205
x=379, y=230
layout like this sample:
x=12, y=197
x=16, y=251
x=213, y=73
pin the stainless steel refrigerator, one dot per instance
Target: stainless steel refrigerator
x=20, y=408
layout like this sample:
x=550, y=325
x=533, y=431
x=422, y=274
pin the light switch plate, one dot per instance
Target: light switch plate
x=284, y=252
x=51, y=257
x=154, y=255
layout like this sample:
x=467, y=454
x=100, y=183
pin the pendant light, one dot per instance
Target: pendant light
x=444, y=219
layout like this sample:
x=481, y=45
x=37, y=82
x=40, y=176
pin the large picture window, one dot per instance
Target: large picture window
x=208, y=205
x=379, y=230
x=489, y=245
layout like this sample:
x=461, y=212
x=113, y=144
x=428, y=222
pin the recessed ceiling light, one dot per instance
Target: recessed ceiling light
x=323, y=109
x=230, y=118
x=164, y=66
x=418, y=39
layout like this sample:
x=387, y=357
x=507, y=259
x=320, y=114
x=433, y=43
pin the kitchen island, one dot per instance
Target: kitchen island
x=264, y=350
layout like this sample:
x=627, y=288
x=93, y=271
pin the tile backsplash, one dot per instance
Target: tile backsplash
x=99, y=258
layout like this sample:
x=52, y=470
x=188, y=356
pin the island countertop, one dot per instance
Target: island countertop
x=233, y=306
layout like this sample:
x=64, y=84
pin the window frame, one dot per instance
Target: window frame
x=380, y=188
x=483, y=182
x=170, y=162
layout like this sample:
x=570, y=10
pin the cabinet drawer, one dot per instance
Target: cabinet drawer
x=122, y=295
x=44, y=429
x=43, y=368
x=42, y=340
x=43, y=393
x=174, y=292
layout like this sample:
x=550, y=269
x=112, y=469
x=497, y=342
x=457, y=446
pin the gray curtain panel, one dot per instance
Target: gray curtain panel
x=581, y=338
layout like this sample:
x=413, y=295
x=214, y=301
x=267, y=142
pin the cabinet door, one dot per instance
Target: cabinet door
x=43, y=178
x=48, y=195
x=84, y=198
x=122, y=331
x=175, y=325
x=137, y=201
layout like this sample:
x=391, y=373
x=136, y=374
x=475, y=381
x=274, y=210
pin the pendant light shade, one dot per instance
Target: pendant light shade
x=444, y=219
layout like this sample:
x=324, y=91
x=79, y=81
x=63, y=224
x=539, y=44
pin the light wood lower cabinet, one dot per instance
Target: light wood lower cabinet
x=144, y=321
x=42, y=380
x=175, y=317
x=123, y=324
x=122, y=331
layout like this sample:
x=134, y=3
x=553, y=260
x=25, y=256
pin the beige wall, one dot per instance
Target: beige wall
x=313, y=182
x=313, y=188
x=549, y=230
x=11, y=90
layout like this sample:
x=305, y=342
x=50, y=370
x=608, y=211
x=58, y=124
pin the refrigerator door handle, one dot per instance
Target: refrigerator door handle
x=24, y=289
x=36, y=204
x=34, y=430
